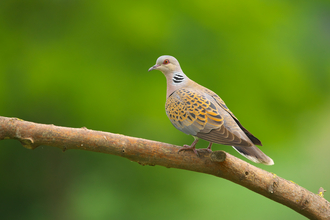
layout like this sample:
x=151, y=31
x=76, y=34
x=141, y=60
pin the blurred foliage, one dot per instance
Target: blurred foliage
x=84, y=63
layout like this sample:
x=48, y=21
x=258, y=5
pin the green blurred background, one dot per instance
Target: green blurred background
x=84, y=63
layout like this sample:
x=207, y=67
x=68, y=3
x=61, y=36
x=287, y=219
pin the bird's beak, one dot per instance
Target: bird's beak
x=153, y=67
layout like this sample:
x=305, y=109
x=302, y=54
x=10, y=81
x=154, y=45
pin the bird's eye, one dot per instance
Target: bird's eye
x=166, y=61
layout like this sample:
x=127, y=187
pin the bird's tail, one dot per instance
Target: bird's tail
x=255, y=154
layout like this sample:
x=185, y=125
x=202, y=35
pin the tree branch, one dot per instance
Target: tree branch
x=146, y=152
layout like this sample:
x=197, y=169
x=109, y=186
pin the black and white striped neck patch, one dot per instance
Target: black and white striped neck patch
x=178, y=78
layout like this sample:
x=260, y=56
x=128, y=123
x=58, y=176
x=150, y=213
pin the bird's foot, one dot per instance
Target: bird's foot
x=191, y=147
x=187, y=147
x=209, y=148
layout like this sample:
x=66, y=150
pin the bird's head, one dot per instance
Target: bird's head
x=166, y=64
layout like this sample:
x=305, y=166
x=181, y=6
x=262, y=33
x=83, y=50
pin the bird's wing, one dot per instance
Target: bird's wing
x=221, y=103
x=198, y=114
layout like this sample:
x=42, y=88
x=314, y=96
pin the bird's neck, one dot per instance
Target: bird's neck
x=175, y=81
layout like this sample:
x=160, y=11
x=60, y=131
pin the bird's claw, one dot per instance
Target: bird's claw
x=187, y=147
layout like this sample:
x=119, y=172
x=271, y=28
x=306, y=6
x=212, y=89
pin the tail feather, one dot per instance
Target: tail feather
x=255, y=154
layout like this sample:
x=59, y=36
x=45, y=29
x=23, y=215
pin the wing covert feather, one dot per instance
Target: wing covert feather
x=254, y=139
x=200, y=115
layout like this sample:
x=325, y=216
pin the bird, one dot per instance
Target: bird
x=195, y=110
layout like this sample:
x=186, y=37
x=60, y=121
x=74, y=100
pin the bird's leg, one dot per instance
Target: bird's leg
x=208, y=148
x=191, y=147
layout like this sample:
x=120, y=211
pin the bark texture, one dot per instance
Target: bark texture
x=146, y=152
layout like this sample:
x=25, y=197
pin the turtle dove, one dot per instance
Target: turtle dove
x=197, y=111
